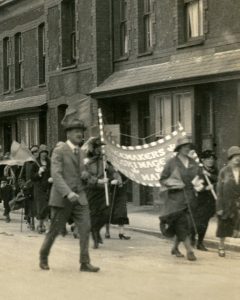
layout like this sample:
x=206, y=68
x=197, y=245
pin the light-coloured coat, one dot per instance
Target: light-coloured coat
x=66, y=168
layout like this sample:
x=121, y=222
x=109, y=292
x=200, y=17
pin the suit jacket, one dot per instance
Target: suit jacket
x=228, y=192
x=66, y=168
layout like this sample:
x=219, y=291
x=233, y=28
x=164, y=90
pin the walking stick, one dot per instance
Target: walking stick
x=112, y=204
x=21, y=227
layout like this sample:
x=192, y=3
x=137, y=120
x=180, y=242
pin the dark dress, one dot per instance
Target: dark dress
x=26, y=185
x=41, y=189
x=99, y=211
x=228, y=192
x=204, y=207
x=118, y=203
x=176, y=202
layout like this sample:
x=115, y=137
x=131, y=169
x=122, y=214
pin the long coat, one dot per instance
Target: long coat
x=41, y=188
x=228, y=192
x=177, y=200
x=96, y=192
x=66, y=168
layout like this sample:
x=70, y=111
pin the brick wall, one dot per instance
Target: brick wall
x=30, y=58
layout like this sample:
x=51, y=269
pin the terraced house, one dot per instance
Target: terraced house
x=148, y=64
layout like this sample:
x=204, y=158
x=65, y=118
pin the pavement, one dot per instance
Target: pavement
x=145, y=219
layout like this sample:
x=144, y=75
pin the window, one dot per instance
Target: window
x=68, y=33
x=29, y=130
x=146, y=34
x=171, y=109
x=18, y=60
x=41, y=54
x=194, y=18
x=123, y=28
x=6, y=64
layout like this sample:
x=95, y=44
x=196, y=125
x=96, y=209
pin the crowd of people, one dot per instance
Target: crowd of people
x=189, y=198
x=68, y=186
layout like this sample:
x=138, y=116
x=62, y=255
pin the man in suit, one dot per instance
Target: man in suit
x=67, y=198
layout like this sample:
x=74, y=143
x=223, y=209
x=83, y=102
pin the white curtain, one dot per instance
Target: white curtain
x=195, y=18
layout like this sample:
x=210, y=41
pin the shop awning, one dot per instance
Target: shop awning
x=23, y=103
x=180, y=68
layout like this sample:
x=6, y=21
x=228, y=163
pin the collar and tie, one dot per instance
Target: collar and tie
x=76, y=150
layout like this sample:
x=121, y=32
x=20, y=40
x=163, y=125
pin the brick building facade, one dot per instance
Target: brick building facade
x=149, y=64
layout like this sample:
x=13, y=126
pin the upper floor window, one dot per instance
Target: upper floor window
x=41, y=53
x=170, y=109
x=6, y=64
x=123, y=28
x=145, y=22
x=68, y=33
x=194, y=18
x=18, y=60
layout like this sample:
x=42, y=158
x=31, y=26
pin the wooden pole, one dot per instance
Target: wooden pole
x=103, y=154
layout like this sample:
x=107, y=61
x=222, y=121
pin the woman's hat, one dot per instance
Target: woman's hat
x=182, y=141
x=43, y=148
x=91, y=143
x=34, y=148
x=232, y=151
x=207, y=154
x=75, y=124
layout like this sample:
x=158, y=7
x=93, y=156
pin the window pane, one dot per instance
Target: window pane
x=183, y=111
x=195, y=18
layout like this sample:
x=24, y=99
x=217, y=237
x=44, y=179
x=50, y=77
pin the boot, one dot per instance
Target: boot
x=95, y=240
x=7, y=219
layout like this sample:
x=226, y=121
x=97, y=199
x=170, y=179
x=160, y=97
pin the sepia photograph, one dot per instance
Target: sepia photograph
x=119, y=149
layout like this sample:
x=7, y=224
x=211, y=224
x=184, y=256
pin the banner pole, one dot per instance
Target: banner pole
x=103, y=154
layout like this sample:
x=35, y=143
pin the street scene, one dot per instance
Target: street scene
x=119, y=149
x=136, y=269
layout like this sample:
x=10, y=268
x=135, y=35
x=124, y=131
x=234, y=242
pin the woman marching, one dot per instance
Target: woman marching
x=228, y=202
x=176, y=178
x=93, y=176
x=118, y=206
x=205, y=204
x=40, y=175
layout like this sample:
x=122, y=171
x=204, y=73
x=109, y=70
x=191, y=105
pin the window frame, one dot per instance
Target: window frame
x=18, y=59
x=68, y=36
x=6, y=65
x=200, y=14
x=161, y=124
x=42, y=55
x=123, y=19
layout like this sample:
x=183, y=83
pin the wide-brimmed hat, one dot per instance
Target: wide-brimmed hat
x=207, y=154
x=34, y=148
x=43, y=148
x=182, y=141
x=74, y=124
x=232, y=151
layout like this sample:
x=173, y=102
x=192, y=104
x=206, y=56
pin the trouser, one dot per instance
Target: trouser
x=59, y=217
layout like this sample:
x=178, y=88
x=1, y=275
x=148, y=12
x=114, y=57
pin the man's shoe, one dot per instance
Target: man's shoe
x=191, y=256
x=175, y=251
x=44, y=265
x=85, y=267
x=201, y=247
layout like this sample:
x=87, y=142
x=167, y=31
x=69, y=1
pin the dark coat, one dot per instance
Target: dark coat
x=228, y=192
x=96, y=192
x=205, y=207
x=177, y=200
x=41, y=188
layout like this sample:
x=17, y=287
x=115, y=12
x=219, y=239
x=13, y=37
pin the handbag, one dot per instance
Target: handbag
x=17, y=202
